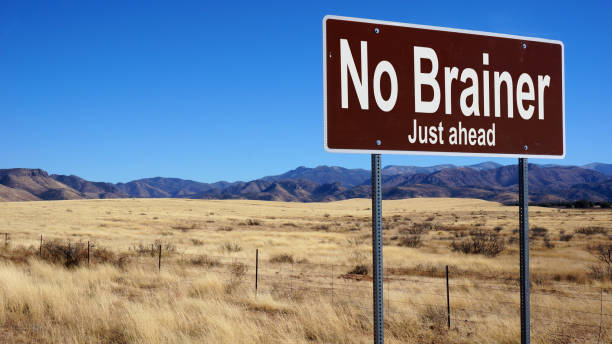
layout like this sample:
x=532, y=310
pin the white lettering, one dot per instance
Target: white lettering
x=385, y=67
x=421, y=78
x=361, y=85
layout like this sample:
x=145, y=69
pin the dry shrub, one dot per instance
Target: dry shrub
x=603, y=270
x=539, y=231
x=231, y=247
x=489, y=244
x=411, y=241
x=591, y=230
x=418, y=228
x=185, y=227
x=237, y=273
x=548, y=243
x=434, y=317
x=75, y=254
x=253, y=222
x=153, y=249
x=322, y=227
x=360, y=269
x=566, y=237
x=197, y=242
x=204, y=260
x=282, y=258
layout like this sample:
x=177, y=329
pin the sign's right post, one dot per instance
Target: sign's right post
x=524, y=248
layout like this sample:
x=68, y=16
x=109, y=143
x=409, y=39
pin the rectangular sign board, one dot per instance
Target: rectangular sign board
x=412, y=89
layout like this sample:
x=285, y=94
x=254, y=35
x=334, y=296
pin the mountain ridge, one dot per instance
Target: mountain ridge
x=488, y=180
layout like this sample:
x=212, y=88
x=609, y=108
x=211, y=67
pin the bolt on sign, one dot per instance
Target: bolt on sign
x=412, y=89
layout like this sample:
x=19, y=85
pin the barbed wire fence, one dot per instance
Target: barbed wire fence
x=446, y=301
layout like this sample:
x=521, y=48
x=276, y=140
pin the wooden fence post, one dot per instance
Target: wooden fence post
x=159, y=258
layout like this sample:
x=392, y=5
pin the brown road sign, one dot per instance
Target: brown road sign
x=402, y=88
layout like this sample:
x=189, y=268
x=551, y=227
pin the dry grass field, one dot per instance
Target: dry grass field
x=314, y=282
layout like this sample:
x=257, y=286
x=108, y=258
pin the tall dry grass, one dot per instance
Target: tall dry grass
x=204, y=292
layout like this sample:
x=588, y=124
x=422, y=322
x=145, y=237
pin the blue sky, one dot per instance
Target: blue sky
x=116, y=91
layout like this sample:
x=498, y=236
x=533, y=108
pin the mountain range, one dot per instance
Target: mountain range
x=488, y=180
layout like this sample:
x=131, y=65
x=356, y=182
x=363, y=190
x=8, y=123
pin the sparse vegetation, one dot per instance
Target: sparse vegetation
x=282, y=258
x=253, y=222
x=360, y=269
x=411, y=241
x=231, y=247
x=591, y=230
x=205, y=292
x=204, y=260
x=566, y=237
x=487, y=243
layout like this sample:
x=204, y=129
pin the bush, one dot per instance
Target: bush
x=411, y=241
x=282, y=258
x=360, y=269
x=539, y=231
x=422, y=227
x=75, y=254
x=591, y=230
x=566, y=237
x=603, y=253
x=197, y=242
x=480, y=242
x=231, y=247
x=434, y=317
x=253, y=222
x=204, y=260
x=548, y=243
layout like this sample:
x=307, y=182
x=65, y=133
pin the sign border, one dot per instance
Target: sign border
x=436, y=28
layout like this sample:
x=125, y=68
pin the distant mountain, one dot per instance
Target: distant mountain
x=325, y=174
x=600, y=167
x=159, y=187
x=23, y=184
x=488, y=165
x=89, y=189
x=392, y=170
x=490, y=181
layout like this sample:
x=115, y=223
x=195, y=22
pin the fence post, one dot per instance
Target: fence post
x=332, y=283
x=88, y=254
x=447, y=299
x=256, y=268
x=40, y=247
x=291, y=280
x=159, y=258
x=600, y=314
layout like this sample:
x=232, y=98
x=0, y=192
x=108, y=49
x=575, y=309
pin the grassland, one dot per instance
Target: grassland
x=307, y=294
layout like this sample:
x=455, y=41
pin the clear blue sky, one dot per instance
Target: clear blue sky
x=116, y=91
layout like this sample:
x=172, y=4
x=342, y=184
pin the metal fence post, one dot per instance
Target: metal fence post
x=524, y=249
x=159, y=258
x=40, y=247
x=256, y=268
x=88, y=259
x=377, y=259
x=447, y=299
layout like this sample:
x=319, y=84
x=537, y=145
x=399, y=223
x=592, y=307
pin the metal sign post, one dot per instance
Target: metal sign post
x=524, y=249
x=377, y=257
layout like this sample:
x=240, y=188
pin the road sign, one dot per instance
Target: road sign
x=412, y=89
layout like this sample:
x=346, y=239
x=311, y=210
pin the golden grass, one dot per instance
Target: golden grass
x=204, y=292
